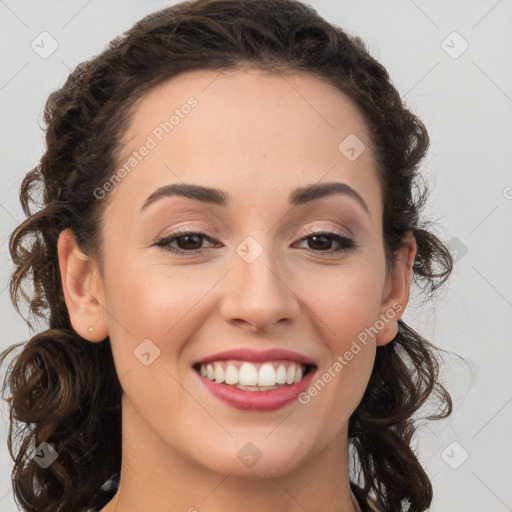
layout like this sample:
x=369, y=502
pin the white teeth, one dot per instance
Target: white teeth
x=281, y=375
x=298, y=375
x=248, y=375
x=219, y=373
x=267, y=375
x=257, y=388
x=290, y=374
x=231, y=375
x=252, y=377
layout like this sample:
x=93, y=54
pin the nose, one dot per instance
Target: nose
x=259, y=295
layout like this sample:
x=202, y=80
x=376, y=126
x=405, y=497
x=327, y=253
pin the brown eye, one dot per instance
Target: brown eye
x=189, y=242
x=186, y=242
x=322, y=242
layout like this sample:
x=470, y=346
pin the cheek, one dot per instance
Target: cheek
x=344, y=306
x=155, y=302
x=344, y=301
x=151, y=317
x=153, y=298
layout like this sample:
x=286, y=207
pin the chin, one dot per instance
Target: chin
x=260, y=459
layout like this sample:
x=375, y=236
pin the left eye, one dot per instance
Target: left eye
x=322, y=242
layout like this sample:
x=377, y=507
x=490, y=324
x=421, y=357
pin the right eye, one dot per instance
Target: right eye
x=188, y=242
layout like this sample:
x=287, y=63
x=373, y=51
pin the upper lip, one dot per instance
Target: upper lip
x=257, y=356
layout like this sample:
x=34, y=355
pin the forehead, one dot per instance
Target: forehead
x=251, y=98
x=228, y=129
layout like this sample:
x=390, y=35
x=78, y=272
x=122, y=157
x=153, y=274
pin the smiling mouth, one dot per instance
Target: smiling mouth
x=248, y=376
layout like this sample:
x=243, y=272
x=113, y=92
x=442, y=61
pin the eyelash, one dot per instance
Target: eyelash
x=347, y=244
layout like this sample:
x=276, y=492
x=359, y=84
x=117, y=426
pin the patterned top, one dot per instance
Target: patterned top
x=365, y=502
x=369, y=506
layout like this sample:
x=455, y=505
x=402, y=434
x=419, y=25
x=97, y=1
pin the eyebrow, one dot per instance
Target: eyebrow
x=299, y=196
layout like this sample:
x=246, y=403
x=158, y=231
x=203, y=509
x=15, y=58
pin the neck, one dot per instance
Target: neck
x=156, y=477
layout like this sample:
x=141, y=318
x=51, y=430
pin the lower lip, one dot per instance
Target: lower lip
x=257, y=400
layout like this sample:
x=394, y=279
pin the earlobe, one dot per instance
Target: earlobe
x=396, y=294
x=82, y=287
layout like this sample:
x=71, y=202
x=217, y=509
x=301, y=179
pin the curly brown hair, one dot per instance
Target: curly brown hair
x=64, y=390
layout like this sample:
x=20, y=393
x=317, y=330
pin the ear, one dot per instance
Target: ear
x=83, y=289
x=396, y=290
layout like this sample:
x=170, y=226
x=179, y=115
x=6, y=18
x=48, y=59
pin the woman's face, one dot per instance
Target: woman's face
x=254, y=278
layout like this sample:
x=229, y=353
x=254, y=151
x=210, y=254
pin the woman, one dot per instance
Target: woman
x=225, y=250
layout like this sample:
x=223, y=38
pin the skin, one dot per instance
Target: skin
x=256, y=137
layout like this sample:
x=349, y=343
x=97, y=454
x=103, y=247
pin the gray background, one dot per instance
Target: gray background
x=465, y=100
